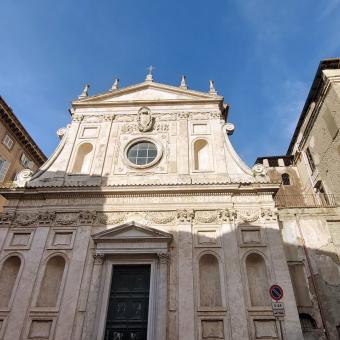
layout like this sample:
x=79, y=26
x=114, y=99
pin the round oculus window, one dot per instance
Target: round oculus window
x=142, y=153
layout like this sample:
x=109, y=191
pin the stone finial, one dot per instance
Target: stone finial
x=229, y=128
x=149, y=75
x=212, y=88
x=61, y=132
x=85, y=94
x=115, y=85
x=184, y=85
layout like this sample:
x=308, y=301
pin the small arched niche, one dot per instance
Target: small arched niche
x=257, y=280
x=285, y=178
x=83, y=160
x=8, y=277
x=51, y=282
x=201, y=155
x=209, y=281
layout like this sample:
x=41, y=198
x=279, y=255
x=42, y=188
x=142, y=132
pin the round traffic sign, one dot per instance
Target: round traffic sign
x=276, y=292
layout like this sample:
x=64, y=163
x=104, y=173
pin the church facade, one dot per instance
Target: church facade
x=144, y=224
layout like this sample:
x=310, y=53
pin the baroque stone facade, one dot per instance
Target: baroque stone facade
x=146, y=195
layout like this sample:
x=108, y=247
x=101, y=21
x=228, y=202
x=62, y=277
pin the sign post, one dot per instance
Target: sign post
x=276, y=293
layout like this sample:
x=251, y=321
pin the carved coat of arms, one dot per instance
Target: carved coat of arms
x=145, y=120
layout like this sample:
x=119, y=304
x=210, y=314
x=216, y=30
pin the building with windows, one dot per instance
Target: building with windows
x=18, y=150
x=144, y=224
x=308, y=205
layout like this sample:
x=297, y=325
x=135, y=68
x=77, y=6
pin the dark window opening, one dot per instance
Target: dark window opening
x=307, y=322
x=285, y=179
x=321, y=192
x=273, y=162
x=310, y=160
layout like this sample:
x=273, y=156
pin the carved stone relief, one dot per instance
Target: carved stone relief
x=215, y=115
x=164, y=258
x=46, y=218
x=113, y=218
x=145, y=120
x=182, y=115
x=66, y=219
x=263, y=215
x=133, y=128
x=6, y=218
x=162, y=217
x=206, y=216
x=87, y=217
x=185, y=215
x=98, y=258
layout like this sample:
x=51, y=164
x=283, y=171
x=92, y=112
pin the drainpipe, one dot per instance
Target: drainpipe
x=323, y=319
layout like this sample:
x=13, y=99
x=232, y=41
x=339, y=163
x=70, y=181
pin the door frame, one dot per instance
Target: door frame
x=106, y=287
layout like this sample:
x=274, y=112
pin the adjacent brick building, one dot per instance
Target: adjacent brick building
x=18, y=150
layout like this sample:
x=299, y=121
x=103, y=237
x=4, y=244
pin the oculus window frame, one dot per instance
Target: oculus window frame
x=138, y=141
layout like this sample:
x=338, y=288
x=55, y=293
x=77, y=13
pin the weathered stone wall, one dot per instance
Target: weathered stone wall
x=323, y=140
x=313, y=259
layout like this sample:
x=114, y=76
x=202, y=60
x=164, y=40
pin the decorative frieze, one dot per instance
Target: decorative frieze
x=6, y=218
x=26, y=219
x=133, y=128
x=268, y=215
x=95, y=118
x=125, y=118
x=113, y=218
x=86, y=217
x=227, y=215
x=166, y=116
x=215, y=115
x=67, y=219
x=206, y=216
x=77, y=118
x=46, y=218
x=247, y=216
x=162, y=217
x=185, y=215
x=182, y=115
x=199, y=115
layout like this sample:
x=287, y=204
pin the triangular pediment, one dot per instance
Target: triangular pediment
x=148, y=92
x=132, y=232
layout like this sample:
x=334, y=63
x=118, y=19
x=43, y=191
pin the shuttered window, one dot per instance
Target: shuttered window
x=8, y=142
x=4, y=165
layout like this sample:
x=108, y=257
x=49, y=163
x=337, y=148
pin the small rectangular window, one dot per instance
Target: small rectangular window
x=310, y=160
x=8, y=142
x=26, y=162
x=321, y=192
x=4, y=165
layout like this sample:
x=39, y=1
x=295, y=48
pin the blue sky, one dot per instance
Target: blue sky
x=262, y=54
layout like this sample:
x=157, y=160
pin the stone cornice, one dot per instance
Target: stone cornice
x=139, y=191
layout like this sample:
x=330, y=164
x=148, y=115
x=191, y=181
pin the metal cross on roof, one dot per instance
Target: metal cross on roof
x=149, y=75
x=150, y=69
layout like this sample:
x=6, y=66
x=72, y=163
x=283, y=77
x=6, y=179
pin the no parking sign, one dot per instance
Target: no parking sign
x=276, y=292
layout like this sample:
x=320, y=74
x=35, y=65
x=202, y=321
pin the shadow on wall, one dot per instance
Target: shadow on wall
x=211, y=266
